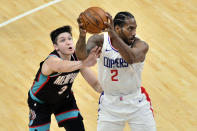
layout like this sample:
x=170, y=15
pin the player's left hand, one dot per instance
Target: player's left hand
x=92, y=57
x=82, y=31
x=109, y=25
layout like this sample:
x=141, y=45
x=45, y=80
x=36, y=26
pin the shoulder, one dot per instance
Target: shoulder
x=138, y=43
x=54, y=53
x=97, y=39
x=49, y=63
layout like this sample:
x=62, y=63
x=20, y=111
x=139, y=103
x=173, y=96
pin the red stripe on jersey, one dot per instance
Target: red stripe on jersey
x=67, y=111
x=53, y=54
x=38, y=77
x=73, y=57
x=39, y=125
x=33, y=85
x=67, y=119
x=42, y=85
x=143, y=90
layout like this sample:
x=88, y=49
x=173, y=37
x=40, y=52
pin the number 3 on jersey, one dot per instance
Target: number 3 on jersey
x=114, y=75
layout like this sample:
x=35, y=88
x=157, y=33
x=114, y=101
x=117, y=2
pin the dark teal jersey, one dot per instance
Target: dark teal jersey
x=54, y=87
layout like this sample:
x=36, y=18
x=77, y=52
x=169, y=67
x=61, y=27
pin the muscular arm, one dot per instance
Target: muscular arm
x=55, y=64
x=83, y=49
x=131, y=55
x=90, y=77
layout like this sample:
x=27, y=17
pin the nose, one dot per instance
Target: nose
x=68, y=42
x=134, y=32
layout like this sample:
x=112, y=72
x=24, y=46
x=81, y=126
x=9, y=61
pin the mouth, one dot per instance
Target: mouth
x=133, y=38
x=70, y=48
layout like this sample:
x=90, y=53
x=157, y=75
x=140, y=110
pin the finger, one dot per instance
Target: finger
x=109, y=17
x=97, y=51
x=105, y=30
x=94, y=49
x=81, y=25
x=106, y=24
x=79, y=18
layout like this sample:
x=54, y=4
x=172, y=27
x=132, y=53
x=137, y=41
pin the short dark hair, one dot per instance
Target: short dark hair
x=58, y=31
x=120, y=18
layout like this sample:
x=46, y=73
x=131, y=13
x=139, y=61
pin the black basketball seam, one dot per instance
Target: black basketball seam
x=92, y=23
x=99, y=16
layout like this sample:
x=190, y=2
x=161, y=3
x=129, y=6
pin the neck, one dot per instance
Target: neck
x=64, y=56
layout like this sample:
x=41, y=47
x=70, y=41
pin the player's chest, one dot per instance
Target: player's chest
x=64, y=79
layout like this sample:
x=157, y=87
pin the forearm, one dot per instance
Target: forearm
x=69, y=66
x=97, y=87
x=81, y=48
x=126, y=52
x=91, y=78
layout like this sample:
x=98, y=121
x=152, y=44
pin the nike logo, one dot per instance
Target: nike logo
x=107, y=50
x=140, y=100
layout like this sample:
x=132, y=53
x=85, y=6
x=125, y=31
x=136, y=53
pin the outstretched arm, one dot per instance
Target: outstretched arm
x=131, y=55
x=55, y=64
x=91, y=78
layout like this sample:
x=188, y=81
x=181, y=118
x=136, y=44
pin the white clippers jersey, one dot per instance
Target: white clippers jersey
x=116, y=76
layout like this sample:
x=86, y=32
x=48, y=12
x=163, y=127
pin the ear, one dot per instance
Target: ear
x=55, y=47
x=117, y=29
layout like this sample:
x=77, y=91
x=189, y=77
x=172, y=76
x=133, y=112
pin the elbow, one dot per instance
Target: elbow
x=80, y=56
x=100, y=90
x=97, y=87
x=130, y=59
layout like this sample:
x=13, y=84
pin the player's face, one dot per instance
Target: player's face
x=65, y=44
x=128, y=31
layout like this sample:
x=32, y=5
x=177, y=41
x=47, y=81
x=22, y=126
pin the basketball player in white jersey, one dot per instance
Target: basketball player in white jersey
x=119, y=67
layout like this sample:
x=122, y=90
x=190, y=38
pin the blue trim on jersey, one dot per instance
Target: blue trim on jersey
x=40, y=128
x=67, y=115
x=100, y=97
x=42, y=78
x=52, y=55
x=56, y=74
x=111, y=45
x=35, y=98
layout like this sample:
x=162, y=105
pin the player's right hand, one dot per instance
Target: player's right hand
x=92, y=57
x=109, y=25
x=82, y=30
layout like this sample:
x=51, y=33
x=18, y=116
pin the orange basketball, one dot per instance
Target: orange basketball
x=93, y=20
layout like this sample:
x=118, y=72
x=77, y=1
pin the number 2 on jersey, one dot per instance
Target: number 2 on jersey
x=114, y=75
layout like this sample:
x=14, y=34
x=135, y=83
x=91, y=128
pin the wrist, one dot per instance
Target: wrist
x=82, y=64
x=82, y=35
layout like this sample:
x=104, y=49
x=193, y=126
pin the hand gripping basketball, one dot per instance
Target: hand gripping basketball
x=93, y=20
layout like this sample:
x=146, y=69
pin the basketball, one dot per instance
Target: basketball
x=93, y=20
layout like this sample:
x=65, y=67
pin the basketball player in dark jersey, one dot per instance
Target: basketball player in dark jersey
x=51, y=91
